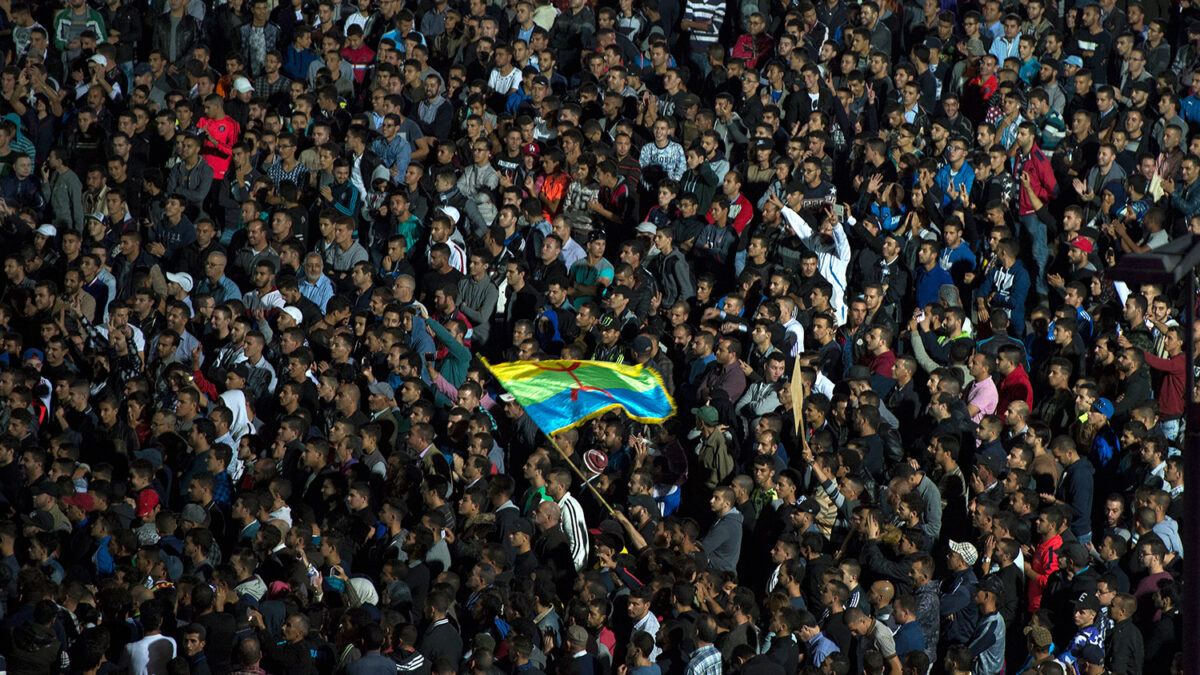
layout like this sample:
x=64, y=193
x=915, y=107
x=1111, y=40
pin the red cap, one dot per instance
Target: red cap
x=1083, y=244
x=81, y=499
x=146, y=501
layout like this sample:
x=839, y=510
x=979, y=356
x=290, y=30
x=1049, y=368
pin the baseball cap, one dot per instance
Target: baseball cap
x=645, y=501
x=33, y=353
x=1083, y=244
x=595, y=461
x=183, y=279
x=81, y=499
x=965, y=550
x=1092, y=654
x=99, y=58
x=146, y=501
x=295, y=313
x=764, y=143
x=507, y=398
x=645, y=227
x=541, y=79
x=1073, y=61
x=1087, y=601
x=858, y=372
x=706, y=414
x=381, y=389
x=142, y=68
x=1103, y=406
x=641, y=344
x=809, y=506
x=47, y=230
x=524, y=526
x=608, y=321
x=42, y=520
x=452, y=212
x=597, y=234
x=241, y=371
x=242, y=85
x=992, y=584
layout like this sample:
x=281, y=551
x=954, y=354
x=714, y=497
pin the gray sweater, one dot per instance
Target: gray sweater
x=477, y=300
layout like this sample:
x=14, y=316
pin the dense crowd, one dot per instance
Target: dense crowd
x=255, y=253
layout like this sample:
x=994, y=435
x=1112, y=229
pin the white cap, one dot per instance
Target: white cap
x=452, y=212
x=295, y=313
x=47, y=230
x=183, y=279
x=242, y=85
x=99, y=58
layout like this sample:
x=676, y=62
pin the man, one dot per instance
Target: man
x=573, y=522
x=1033, y=170
x=716, y=463
x=957, y=607
x=988, y=641
x=875, y=636
x=726, y=374
x=191, y=177
x=221, y=132
x=829, y=242
x=723, y=543
x=150, y=654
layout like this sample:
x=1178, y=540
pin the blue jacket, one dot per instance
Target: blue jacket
x=296, y=62
x=928, y=283
x=1076, y=490
x=1011, y=287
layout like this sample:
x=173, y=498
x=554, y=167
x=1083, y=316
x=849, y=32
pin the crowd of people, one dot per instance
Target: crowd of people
x=255, y=253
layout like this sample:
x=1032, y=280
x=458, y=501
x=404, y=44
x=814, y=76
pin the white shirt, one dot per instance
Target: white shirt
x=149, y=656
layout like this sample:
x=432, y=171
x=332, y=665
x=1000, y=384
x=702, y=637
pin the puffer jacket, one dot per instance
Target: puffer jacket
x=35, y=651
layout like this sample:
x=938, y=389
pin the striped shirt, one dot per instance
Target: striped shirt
x=700, y=11
x=575, y=525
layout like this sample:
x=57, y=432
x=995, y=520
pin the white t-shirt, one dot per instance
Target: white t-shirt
x=149, y=656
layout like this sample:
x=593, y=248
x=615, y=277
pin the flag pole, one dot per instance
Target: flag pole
x=797, y=389
x=582, y=477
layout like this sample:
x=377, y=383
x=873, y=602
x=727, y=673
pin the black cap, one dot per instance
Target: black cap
x=597, y=234
x=645, y=501
x=524, y=526
x=992, y=584
x=808, y=505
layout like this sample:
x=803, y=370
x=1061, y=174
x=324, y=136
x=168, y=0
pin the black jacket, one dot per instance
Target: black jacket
x=1126, y=652
x=187, y=36
x=35, y=650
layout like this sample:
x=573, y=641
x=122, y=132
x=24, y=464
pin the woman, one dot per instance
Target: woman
x=550, y=187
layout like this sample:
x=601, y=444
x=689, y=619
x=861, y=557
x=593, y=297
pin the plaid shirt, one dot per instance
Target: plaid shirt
x=223, y=489
x=706, y=660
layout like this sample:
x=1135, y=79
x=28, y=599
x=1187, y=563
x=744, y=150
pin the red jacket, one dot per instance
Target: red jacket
x=1041, y=178
x=1015, y=387
x=1045, y=562
x=1170, y=396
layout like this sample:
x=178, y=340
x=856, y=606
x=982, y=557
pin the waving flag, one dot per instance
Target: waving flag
x=558, y=395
